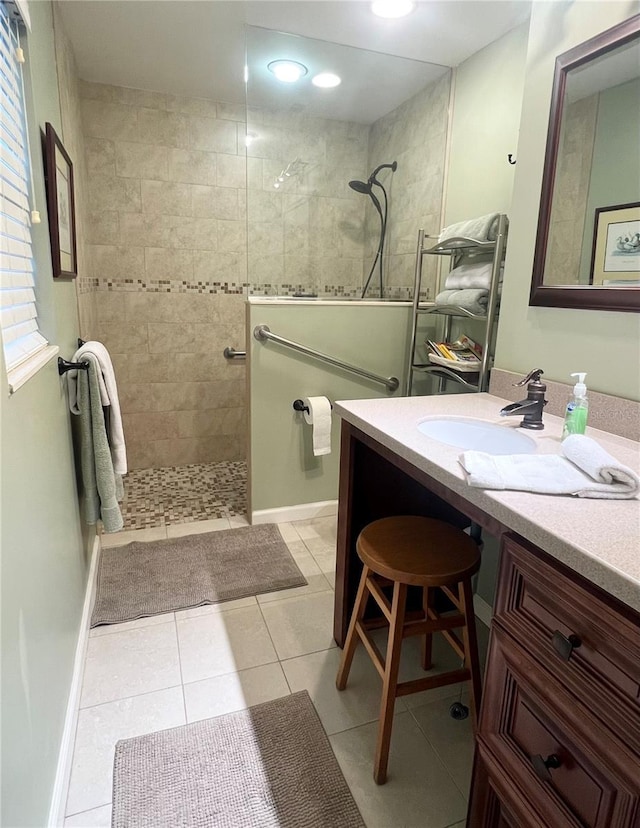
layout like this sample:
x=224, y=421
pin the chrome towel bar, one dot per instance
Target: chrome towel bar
x=231, y=353
x=262, y=333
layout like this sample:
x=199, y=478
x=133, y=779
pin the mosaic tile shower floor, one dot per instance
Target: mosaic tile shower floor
x=181, y=494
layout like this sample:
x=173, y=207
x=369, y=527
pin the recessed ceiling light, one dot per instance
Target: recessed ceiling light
x=392, y=8
x=326, y=80
x=287, y=71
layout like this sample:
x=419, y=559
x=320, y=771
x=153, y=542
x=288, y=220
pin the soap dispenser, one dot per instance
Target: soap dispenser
x=575, y=418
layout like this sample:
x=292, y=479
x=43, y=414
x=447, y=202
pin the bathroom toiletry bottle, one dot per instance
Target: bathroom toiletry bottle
x=575, y=418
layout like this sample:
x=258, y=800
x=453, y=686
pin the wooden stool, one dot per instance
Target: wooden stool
x=403, y=551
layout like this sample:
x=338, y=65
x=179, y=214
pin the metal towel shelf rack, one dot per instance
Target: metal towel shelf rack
x=262, y=333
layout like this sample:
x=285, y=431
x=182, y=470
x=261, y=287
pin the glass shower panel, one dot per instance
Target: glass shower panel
x=309, y=232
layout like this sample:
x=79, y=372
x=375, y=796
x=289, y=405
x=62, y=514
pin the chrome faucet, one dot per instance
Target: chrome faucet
x=533, y=406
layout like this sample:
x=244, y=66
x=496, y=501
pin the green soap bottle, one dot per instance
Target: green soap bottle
x=575, y=418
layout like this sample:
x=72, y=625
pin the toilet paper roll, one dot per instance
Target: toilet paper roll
x=319, y=417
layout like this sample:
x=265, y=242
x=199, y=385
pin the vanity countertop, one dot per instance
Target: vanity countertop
x=600, y=539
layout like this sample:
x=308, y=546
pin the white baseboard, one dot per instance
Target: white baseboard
x=63, y=772
x=303, y=511
x=482, y=610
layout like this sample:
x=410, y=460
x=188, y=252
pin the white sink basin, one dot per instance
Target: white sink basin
x=480, y=435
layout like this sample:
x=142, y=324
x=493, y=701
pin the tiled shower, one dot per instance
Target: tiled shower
x=179, y=220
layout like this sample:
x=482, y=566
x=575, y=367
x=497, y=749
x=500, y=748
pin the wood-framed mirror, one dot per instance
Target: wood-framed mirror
x=587, y=251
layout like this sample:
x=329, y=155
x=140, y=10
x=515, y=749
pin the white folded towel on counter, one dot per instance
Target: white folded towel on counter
x=586, y=470
x=472, y=275
x=108, y=396
x=484, y=228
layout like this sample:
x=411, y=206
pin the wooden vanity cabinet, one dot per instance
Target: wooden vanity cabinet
x=558, y=742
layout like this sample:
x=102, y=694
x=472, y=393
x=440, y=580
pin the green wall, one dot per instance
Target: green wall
x=484, y=131
x=283, y=470
x=43, y=563
x=484, y=128
x=615, y=166
x=559, y=340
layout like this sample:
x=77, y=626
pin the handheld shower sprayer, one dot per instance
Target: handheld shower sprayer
x=366, y=188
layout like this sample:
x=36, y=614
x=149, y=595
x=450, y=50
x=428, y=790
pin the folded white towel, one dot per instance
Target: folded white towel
x=472, y=275
x=475, y=300
x=484, y=228
x=587, y=470
x=108, y=396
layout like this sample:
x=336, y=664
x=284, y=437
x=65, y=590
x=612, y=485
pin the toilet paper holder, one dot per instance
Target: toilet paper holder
x=298, y=405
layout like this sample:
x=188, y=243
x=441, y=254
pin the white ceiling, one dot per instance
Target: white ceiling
x=372, y=83
x=197, y=47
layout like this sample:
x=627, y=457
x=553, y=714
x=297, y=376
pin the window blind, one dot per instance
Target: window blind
x=18, y=319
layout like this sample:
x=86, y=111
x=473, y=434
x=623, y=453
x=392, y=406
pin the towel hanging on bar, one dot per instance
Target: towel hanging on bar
x=108, y=395
x=102, y=486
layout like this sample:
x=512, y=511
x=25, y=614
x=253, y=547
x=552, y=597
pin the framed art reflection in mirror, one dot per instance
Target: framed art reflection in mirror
x=616, y=246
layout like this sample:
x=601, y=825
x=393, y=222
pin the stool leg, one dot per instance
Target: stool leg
x=472, y=661
x=353, y=638
x=392, y=664
x=426, y=657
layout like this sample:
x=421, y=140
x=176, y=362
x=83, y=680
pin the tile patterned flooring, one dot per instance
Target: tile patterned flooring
x=160, y=672
x=182, y=494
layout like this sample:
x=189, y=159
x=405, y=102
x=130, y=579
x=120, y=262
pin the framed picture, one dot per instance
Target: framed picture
x=61, y=206
x=616, y=246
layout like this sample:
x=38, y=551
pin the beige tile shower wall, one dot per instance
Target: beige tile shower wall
x=167, y=257
x=307, y=235
x=571, y=190
x=182, y=402
x=415, y=136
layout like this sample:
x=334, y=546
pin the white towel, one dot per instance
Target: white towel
x=108, y=396
x=587, y=470
x=484, y=228
x=472, y=275
x=471, y=299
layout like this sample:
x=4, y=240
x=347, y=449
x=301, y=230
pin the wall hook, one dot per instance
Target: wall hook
x=509, y=157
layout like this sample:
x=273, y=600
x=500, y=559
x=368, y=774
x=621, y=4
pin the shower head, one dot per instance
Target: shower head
x=363, y=187
x=366, y=188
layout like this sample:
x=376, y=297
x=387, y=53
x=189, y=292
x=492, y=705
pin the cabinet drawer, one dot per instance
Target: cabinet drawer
x=495, y=803
x=573, y=771
x=590, y=645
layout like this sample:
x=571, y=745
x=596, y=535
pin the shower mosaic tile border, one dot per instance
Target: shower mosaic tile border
x=182, y=494
x=404, y=294
x=169, y=286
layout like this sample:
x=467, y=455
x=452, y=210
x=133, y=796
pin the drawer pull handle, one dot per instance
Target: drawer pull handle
x=565, y=646
x=542, y=766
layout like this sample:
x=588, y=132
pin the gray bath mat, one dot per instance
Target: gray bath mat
x=270, y=766
x=142, y=579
